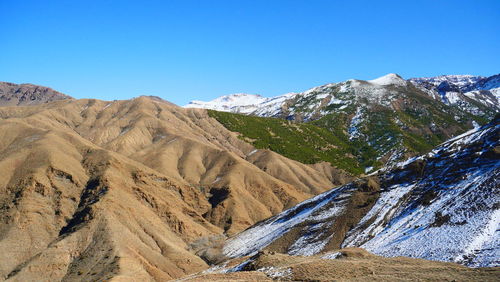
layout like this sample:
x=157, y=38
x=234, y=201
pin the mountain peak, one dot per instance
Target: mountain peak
x=389, y=79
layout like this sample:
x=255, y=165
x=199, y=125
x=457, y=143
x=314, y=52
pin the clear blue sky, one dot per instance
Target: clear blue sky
x=184, y=50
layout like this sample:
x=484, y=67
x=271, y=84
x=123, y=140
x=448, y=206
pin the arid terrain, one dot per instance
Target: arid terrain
x=120, y=189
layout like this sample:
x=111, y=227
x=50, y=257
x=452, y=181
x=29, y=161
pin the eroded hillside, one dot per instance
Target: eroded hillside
x=92, y=189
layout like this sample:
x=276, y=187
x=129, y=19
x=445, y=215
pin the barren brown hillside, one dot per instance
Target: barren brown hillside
x=92, y=190
x=192, y=148
x=70, y=208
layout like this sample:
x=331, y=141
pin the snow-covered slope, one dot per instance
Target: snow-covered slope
x=441, y=206
x=244, y=104
x=474, y=94
x=461, y=81
x=487, y=83
x=311, y=103
x=389, y=79
x=490, y=84
x=237, y=103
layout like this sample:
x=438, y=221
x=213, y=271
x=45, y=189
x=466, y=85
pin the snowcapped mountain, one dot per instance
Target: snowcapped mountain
x=388, y=118
x=491, y=83
x=487, y=85
x=460, y=81
x=474, y=94
x=309, y=104
x=237, y=103
x=244, y=104
x=440, y=206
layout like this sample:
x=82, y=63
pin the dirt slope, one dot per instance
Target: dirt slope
x=192, y=148
x=92, y=190
x=70, y=208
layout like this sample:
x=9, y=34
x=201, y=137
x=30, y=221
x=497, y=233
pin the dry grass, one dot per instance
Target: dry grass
x=353, y=265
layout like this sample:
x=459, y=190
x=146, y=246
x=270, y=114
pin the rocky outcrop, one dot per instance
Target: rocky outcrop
x=25, y=94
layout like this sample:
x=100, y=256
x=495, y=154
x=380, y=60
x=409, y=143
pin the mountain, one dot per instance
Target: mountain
x=12, y=94
x=461, y=82
x=387, y=119
x=93, y=190
x=71, y=210
x=474, y=94
x=245, y=104
x=440, y=206
x=491, y=84
x=479, y=94
x=371, y=123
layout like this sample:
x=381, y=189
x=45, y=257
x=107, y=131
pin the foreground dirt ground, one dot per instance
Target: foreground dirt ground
x=350, y=264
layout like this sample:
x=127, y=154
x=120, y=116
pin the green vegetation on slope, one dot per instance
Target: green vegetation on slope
x=336, y=123
x=304, y=142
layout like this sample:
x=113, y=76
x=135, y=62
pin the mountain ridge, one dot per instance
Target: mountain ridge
x=465, y=83
x=24, y=94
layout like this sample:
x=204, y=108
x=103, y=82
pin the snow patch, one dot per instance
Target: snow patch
x=334, y=255
x=276, y=272
x=389, y=79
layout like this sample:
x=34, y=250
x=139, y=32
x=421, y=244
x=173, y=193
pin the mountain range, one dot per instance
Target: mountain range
x=380, y=121
x=476, y=94
x=143, y=189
